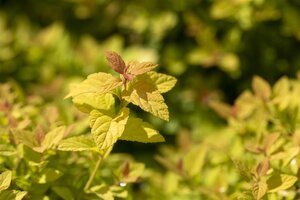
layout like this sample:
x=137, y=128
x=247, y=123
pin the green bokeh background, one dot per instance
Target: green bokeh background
x=214, y=48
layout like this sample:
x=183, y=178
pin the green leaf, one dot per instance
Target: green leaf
x=279, y=182
x=51, y=139
x=244, y=170
x=145, y=95
x=163, y=82
x=259, y=189
x=261, y=88
x=7, y=150
x=194, y=160
x=49, y=175
x=137, y=68
x=119, y=192
x=99, y=83
x=139, y=131
x=107, y=129
x=130, y=172
x=25, y=137
x=91, y=101
x=64, y=192
x=5, y=179
x=102, y=191
x=12, y=195
x=78, y=143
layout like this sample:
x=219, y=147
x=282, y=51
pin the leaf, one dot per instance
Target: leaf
x=139, y=131
x=279, y=182
x=7, y=150
x=99, y=83
x=147, y=97
x=5, y=179
x=12, y=195
x=64, y=192
x=164, y=83
x=222, y=109
x=25, y=137
x=259, y=189
x=244, y=170
x=262, y=167
x=194, y=160
x=49, y=175
x=116, y=62
x=133, y=173
x=105, y=129
x=261, y=88
x=77, y=143
x=137, y=68
x=102, y=191
x=91, y=101
x=51, y=139
x=269, y=140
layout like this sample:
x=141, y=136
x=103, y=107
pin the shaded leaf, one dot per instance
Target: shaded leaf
x=49, y=175
x=64, y=192
x=139, y=131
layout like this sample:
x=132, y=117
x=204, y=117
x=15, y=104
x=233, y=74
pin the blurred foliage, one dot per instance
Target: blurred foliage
x=214, y=48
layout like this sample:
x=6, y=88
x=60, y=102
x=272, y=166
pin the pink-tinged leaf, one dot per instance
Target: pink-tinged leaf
x=115, y=61
x=262, y=167
x=137, y=68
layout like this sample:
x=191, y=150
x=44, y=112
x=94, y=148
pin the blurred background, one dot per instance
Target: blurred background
x=213, y=47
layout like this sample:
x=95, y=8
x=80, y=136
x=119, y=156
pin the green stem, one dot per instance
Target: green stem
x=92, y=176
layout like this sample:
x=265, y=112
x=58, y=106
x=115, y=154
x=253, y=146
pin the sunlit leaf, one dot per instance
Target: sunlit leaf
x=137, y=68
x=139, y=131
x=5, y=179
x=146, y=96
x=163, y=82
x=115, y=61
x=91, y=101
x=259, y=189
x=279, y=182
x=107, y=129
x=99, y=83
x=77, y=143
x=12, y=195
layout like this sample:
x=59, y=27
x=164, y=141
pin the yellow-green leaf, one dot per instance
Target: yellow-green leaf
x=139, y=131
x=51, y=139
x=137, y=68
x=259, y=189
x=99, y=83
x=12, y=195
x=5, y=179
x=261, y=88
x=146, y=96
x=163, y=82
x=91, y=101
x=279, y=182
x=78, y=143
x=194, y=160
x=107, y=129
x=49, y=175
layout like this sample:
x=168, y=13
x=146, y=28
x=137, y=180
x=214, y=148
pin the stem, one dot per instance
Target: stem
x=92, y=176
